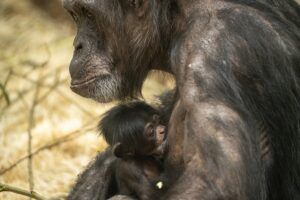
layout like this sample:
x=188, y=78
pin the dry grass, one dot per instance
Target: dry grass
x=34, y=55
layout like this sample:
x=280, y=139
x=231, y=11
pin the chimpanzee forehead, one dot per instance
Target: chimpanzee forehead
x=101, y=9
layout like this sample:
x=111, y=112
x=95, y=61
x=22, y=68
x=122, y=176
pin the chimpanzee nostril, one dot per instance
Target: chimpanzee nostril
x=78, y=47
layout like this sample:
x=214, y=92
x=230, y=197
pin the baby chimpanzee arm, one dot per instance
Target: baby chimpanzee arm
x=133, y=181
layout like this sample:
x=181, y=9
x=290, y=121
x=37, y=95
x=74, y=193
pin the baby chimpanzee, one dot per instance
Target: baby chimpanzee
x=138, y=140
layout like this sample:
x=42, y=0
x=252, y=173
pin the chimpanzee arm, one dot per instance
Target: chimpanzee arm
x=132, y=178
x=219, y=156
x=96, y=182
x=220, y=145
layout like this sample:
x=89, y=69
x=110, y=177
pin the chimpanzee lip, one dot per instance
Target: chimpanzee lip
x=82, y=83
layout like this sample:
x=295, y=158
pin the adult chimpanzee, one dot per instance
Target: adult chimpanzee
x=137, y=136
x=236, y=65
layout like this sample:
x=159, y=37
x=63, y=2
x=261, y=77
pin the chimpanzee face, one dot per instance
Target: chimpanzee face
x=115, y=45
x=154, y=135
x=149, y=144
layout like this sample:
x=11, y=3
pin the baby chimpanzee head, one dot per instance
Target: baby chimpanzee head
x=133, y=129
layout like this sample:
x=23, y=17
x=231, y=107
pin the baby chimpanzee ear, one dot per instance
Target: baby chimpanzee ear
x=121, y=152
x=117, y=150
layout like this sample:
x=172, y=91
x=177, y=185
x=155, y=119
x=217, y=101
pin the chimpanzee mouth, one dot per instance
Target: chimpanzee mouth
x=82, y=83
x=102, y=88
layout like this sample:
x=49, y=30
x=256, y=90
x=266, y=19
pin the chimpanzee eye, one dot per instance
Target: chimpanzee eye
x=87, y=13
x=150, y=131
x=74, y=16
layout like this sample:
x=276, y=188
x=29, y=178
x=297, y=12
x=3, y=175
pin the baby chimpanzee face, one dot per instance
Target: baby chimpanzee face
x=149, y=144
x=153, y=135
x=133, y=129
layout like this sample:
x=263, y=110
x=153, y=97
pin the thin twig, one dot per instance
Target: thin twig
x=66, y=138
x=51, y=89
x=16, y=190
x=44, y=77
x=27, y=91
x=29, y=148
x=79, y=106
x=4, y=84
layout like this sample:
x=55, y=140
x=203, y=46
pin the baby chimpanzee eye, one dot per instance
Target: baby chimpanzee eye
x=150, y=131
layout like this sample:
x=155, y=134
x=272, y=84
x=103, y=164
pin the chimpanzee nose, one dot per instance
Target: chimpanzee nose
x=76, y=67
x=161, y=130
x=78, y=46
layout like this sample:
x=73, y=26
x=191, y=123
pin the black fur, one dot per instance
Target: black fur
x=125, y=123
x=236, y=64
x=137, y=137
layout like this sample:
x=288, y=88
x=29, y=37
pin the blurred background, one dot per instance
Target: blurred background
x=47, y=133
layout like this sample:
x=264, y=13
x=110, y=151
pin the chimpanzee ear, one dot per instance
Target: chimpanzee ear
x=118, y=150
x=121, y=152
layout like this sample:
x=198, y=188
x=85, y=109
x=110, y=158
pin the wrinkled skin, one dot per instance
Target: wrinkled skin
x=236, y=65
